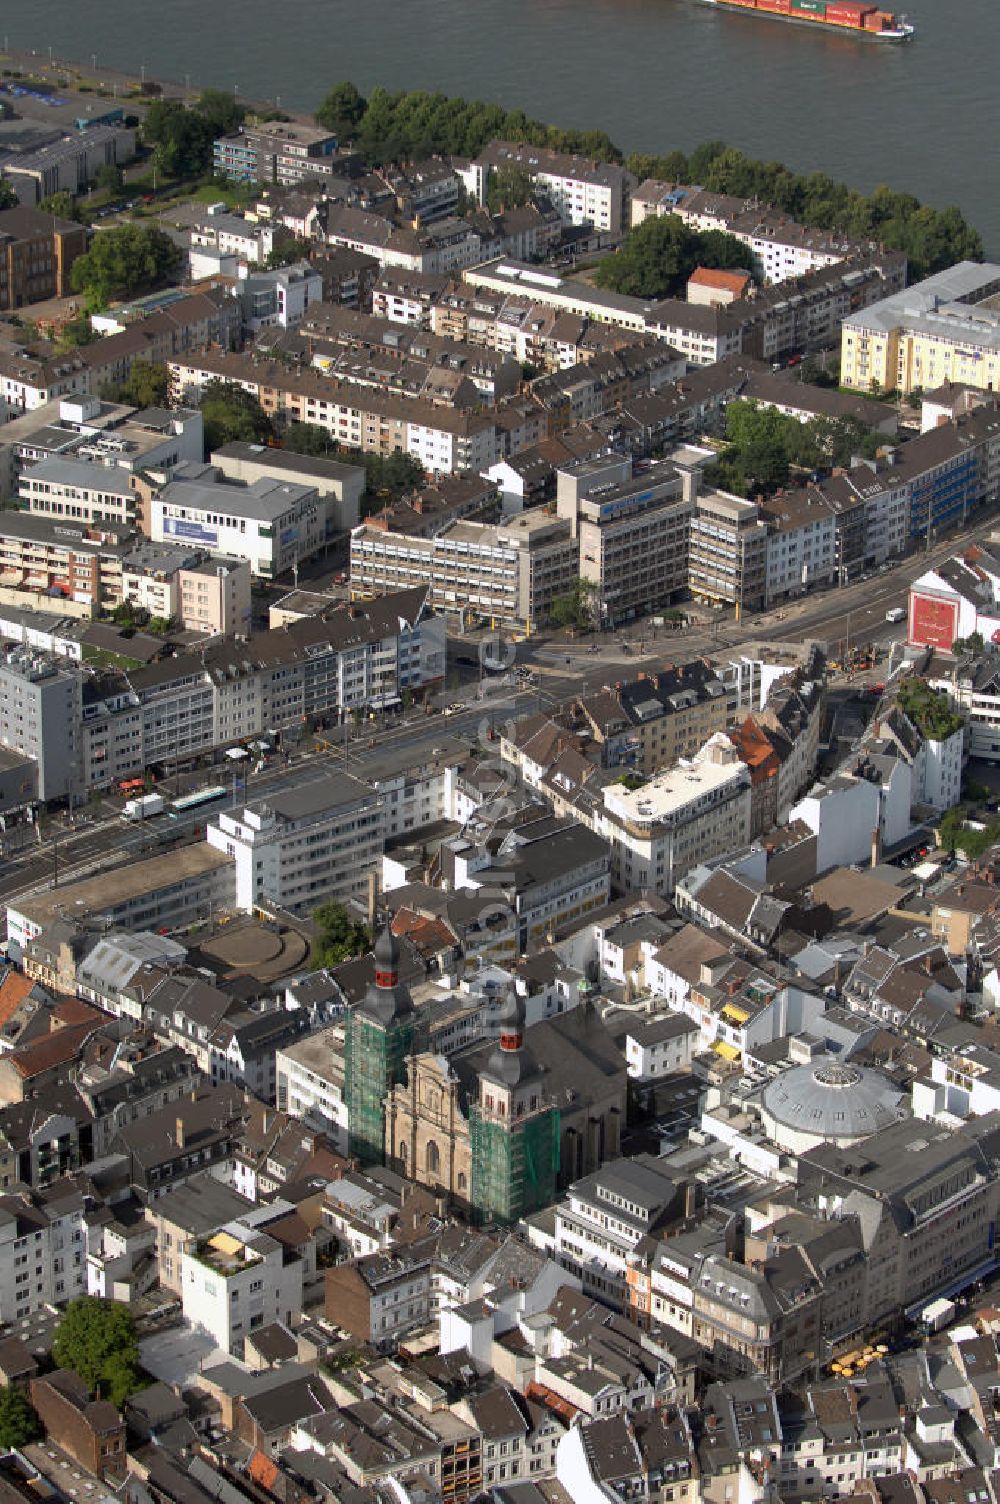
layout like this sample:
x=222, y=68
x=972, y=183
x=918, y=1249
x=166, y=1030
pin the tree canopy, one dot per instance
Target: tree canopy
x=76, y=333
x=955, y=834
x=97, y=1339
x=8, y=198
x=221, y=111
x=147, y=385
x=182, y=135
x=342, y=111
x=109, y=177
x=231, y=414
x=929, y=709
x=19, y=1421
x=932, y=239
x=575, y=608
x=62, y=204
x=659, y=255
x=386, y=476
x=509, y=188
x=288, y=251
x=763, y=446
x=338, y=936
x=389, y=127
x=123, y=261
x=406, y=126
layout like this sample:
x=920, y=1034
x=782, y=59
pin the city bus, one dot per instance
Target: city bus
x=196, y=800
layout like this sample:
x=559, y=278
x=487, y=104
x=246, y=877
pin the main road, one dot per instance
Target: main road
x=560, y=669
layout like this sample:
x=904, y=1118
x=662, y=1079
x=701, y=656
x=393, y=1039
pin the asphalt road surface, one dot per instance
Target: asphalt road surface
x=99, y=836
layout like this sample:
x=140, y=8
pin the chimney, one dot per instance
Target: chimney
x=690, y=1198
x=179, y=1133
x=928, y=964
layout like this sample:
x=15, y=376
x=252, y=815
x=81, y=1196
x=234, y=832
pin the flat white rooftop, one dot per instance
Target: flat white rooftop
x=672, y=791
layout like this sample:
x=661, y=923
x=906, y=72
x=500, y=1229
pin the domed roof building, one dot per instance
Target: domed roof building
x=828, y=1102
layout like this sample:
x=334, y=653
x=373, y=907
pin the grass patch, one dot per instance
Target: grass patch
x=103, y=658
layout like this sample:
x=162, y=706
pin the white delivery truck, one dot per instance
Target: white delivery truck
x=145, y=807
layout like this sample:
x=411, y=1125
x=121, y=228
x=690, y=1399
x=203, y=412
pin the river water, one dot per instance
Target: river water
x=655, y=74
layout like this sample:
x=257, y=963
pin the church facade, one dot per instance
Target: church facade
x=500, y=1127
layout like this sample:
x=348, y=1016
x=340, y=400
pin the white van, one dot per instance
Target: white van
x=898, y=613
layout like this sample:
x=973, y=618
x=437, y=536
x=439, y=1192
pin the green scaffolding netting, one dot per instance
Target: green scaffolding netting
x=373, y=1063
x=514, y=1165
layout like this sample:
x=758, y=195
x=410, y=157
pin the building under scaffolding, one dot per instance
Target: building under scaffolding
x=515, y=1166
x=378, y=1038
x=514, y=1130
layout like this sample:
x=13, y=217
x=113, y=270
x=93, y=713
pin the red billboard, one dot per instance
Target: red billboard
x=933, y=622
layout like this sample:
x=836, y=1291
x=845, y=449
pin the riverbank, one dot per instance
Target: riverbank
x=63, y=75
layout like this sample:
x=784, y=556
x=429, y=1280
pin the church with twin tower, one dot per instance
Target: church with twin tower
x=493, y=1125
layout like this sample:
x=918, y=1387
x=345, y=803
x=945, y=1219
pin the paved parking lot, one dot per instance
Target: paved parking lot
x=177, y=1356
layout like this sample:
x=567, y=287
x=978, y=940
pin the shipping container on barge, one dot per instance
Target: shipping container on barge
x=837, y=15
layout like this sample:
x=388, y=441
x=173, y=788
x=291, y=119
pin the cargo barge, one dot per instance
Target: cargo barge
x=851, y=16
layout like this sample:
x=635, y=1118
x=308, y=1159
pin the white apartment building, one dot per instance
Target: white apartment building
x=602, y=1219
x=684, y=815
x=309, y=1082
x=975, y=689
x=320, y=840
x=406, y=298
x=272, y=524
x=176, y=583
x=79, y=491
x=801, y=547
x=937, y=771
x=887, y=513
x=278, y=299
x=238, y=1281
x=844, y=814
x=43, y=1252
x=505, y=275
x=781, y=247
x=248, y=240
x=704, y=335
x=40, y=714
x=444, y=439
x=582, y=191
x=783, y=254
x=656, y=1047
